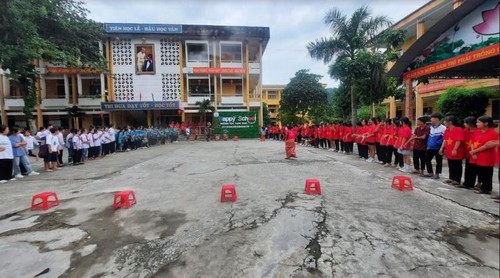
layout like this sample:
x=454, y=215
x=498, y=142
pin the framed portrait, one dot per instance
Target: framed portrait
x=144, y=57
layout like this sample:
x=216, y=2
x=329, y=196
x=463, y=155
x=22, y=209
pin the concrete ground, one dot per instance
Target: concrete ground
x=358, y=227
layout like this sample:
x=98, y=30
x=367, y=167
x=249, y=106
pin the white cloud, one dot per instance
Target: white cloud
x=292, y=23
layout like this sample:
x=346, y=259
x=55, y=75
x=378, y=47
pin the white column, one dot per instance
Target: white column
x=79, y=84
x=66, y=87
x=261, y=111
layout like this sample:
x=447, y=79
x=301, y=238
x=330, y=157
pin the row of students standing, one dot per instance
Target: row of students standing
x=382, y=140
x=93, y=143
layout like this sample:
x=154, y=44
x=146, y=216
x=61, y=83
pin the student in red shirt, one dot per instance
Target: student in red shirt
x=453, y=139
x=404, y=145
x=484, y=152
x=348, y=139
x=290, y=136
x=369, y=138
x=362, y=147
x=470, y=164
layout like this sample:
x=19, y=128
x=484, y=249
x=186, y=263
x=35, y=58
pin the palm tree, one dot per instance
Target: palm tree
x=204, y=107
x=349, y=36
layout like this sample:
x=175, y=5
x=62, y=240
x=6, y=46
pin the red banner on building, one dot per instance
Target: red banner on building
x=469, y=57
x=64, y=70
x=199, y=70
x=441, y=85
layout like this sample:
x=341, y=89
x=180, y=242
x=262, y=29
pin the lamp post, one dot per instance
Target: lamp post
x=2, y=96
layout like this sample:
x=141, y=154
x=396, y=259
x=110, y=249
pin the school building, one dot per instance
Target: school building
x=271, y=96
x=157, y=73
x=450, y=43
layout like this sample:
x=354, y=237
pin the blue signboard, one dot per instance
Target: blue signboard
x=140, y=105
x=135, y=28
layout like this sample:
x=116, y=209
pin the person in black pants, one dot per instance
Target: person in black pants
x=434, y=143
x=420, y=145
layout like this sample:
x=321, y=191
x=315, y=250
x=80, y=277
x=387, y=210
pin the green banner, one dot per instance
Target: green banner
x=241, y=124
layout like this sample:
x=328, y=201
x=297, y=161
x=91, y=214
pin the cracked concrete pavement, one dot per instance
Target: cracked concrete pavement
x=358, y=227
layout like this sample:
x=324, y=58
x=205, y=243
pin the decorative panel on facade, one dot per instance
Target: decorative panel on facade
x=171, y=86
x=122, y=52
x=123, y=85
x=170, y=52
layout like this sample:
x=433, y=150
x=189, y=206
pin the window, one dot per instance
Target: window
x=197, y=52
x=231, y=52
x=232, y=87
x=199, y=86
x=271, y=94
x=91, y=87
x=55, y=88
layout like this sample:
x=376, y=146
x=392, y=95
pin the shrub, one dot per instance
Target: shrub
x=464, y=102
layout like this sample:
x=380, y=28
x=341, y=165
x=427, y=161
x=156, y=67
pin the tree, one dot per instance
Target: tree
x=349, y=36
x=290, y=118
x=75, y=113
x=56, y=31
x=365, y=112
x=265, y=113
x=204, y=107
x=302, y=94
x=341, y=103
x=464, y=102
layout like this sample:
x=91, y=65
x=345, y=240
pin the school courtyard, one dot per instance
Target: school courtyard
x=358, y=227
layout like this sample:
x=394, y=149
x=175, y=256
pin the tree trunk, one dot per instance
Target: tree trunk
x=32, y=126
x=354, y=110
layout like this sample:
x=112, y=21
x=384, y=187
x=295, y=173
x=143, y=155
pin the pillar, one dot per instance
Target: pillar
x=38, y=105
x=419, y=105
x=420, y=28
x=392, y=107
x=409, y=103
x=2, y=100
x=148, y=116
x=457, y=3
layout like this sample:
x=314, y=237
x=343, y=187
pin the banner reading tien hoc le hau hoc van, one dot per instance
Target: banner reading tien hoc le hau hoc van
x=241, y=124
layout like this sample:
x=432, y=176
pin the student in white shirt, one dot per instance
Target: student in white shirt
x=90, y=140
x=85, y=145
x=53, y=149
x=97, y=143
x=77, y=147
x=112, y=135
x=31, y=143
x=60, y=147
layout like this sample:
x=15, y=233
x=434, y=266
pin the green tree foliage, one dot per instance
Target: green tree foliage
x=204, y=107
x=349, y=36
x=341, y=103
x=463, y=102
x=302, y=94
x=265, y=113
x=56, y=31
x=287, y=117
x=365, y=111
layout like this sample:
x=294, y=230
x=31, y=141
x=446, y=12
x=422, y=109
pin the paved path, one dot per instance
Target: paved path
x=358, y=227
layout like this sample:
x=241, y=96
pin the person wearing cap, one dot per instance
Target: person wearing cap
x=434, y=142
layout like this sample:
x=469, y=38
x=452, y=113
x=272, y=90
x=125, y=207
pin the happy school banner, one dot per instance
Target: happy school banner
x=241, y=124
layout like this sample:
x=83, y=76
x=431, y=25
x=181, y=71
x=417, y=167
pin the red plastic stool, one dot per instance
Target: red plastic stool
x=123, y=200
x=235, y=138
x=217, y=138
x=46, y=203
x=313, y=187
x=228, y=189
x=225, y=137
x=402, y=183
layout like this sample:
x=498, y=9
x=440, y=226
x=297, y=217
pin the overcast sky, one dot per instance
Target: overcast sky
x=292, y=23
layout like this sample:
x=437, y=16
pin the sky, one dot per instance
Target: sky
x=293, y=24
